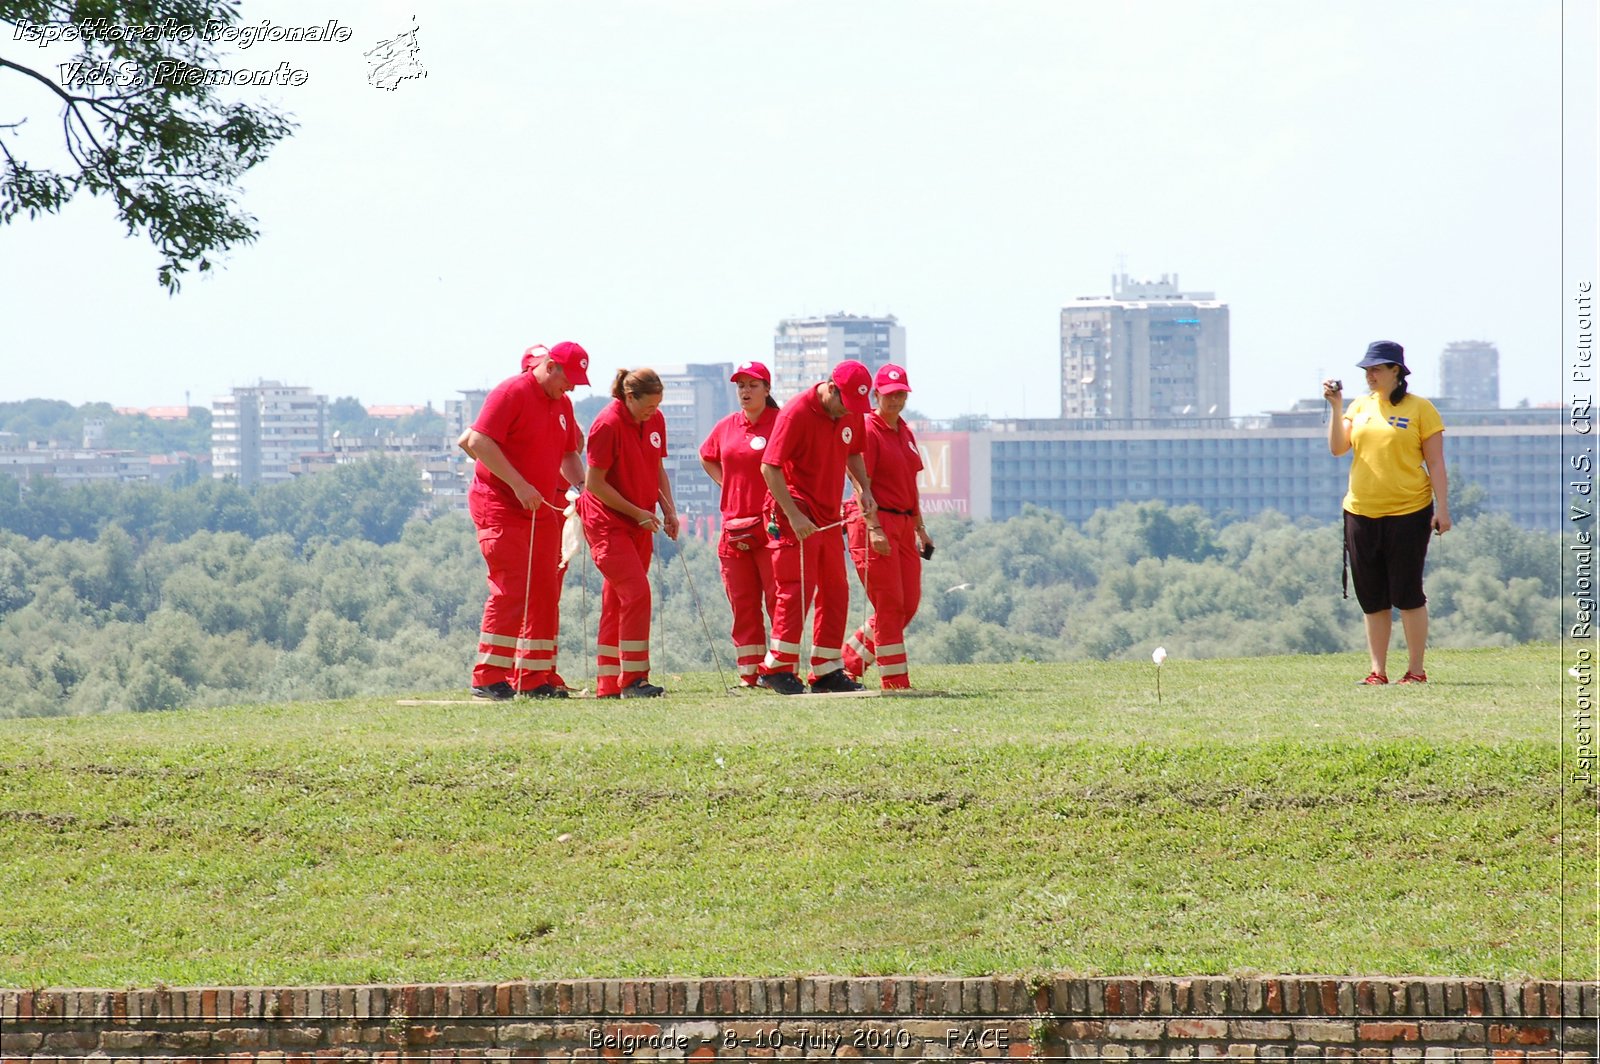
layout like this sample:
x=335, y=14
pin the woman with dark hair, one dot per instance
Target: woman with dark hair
x=731, y=456
x=624, y=483
x=1399, y=492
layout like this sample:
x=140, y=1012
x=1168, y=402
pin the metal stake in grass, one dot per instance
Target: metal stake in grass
x=1158, y=656
x=524, y=645
x=710, y=643
x=583, y=613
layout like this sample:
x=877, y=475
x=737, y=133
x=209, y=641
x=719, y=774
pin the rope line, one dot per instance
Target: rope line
x=710, y=643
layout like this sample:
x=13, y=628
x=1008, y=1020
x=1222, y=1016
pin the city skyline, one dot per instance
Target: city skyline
x=1504, y=461
x=664, y=180
x=443, y=407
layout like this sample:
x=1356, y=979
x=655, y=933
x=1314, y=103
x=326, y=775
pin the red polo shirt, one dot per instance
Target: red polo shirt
x=738, y=444
x=534, y=432
x=893, y=461
x=630, y=453
x=811, y=447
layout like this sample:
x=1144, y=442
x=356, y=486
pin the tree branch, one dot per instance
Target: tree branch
x=46, y=82
x=169, y=156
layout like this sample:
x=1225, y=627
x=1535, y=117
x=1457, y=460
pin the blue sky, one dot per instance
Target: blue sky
x=662, y=180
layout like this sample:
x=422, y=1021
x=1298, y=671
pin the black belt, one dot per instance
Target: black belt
x=902, y=513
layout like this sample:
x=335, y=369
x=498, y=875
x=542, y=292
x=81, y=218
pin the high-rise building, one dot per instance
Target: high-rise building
x=260, y=433
x=459, y=414
x=1469, y=374
x=693, y=399
x=1148, y=350
x=804, y=350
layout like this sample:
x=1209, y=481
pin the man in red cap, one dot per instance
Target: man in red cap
x=888, y=547
x=818, y=437
x=526, y=444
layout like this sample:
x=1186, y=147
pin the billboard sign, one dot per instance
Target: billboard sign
x=945, y=481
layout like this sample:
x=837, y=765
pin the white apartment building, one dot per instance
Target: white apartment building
x=1148, y=350
x=804, y=350
x=260, y=433
x=693, y=399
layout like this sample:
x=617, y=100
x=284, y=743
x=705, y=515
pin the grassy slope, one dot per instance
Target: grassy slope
x=1267, y=815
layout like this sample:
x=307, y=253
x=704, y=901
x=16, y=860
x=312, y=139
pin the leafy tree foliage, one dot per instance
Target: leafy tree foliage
x=41, y=419
x=145, y=435
x=1467, y=498
x=51, y=420
x=363, y=500
x=151, y=131
x=348, y=415
x=124, y=620
x=424, y=421
x=588, y=408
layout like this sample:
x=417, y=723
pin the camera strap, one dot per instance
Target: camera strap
x=1344, y=576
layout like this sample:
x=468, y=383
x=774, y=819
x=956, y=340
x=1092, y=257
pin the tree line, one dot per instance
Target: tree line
x=348, y=415
x=370, y=500
x=130, y=597
x=59, y=422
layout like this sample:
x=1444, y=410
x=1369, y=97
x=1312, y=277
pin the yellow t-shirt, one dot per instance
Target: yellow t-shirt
x=1387, y=476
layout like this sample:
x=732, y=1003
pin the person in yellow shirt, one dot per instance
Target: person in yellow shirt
x=1399, y=492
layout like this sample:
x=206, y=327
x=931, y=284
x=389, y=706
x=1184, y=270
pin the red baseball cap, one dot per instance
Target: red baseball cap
x=855, y=382
x=756, y=370
x=892, y=378
x=574, y=360
x=532, y=355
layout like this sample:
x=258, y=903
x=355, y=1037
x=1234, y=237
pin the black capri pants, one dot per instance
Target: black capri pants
x=1386, y=557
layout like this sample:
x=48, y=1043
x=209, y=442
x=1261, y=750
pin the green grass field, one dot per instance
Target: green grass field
x=1267, y=815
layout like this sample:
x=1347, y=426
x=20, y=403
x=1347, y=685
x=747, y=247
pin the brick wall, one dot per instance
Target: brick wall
x=1283, y=1018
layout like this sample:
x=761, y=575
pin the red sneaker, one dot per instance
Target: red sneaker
x=1374, y=679
x=1414, y=677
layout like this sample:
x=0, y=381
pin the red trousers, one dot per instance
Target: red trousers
x=523, y=655
x=623, y=557
x=746, y=564
x=894, y=587
x=807, y=575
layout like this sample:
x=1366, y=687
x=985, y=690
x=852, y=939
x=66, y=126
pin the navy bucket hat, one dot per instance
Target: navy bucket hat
x=1382, y=353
